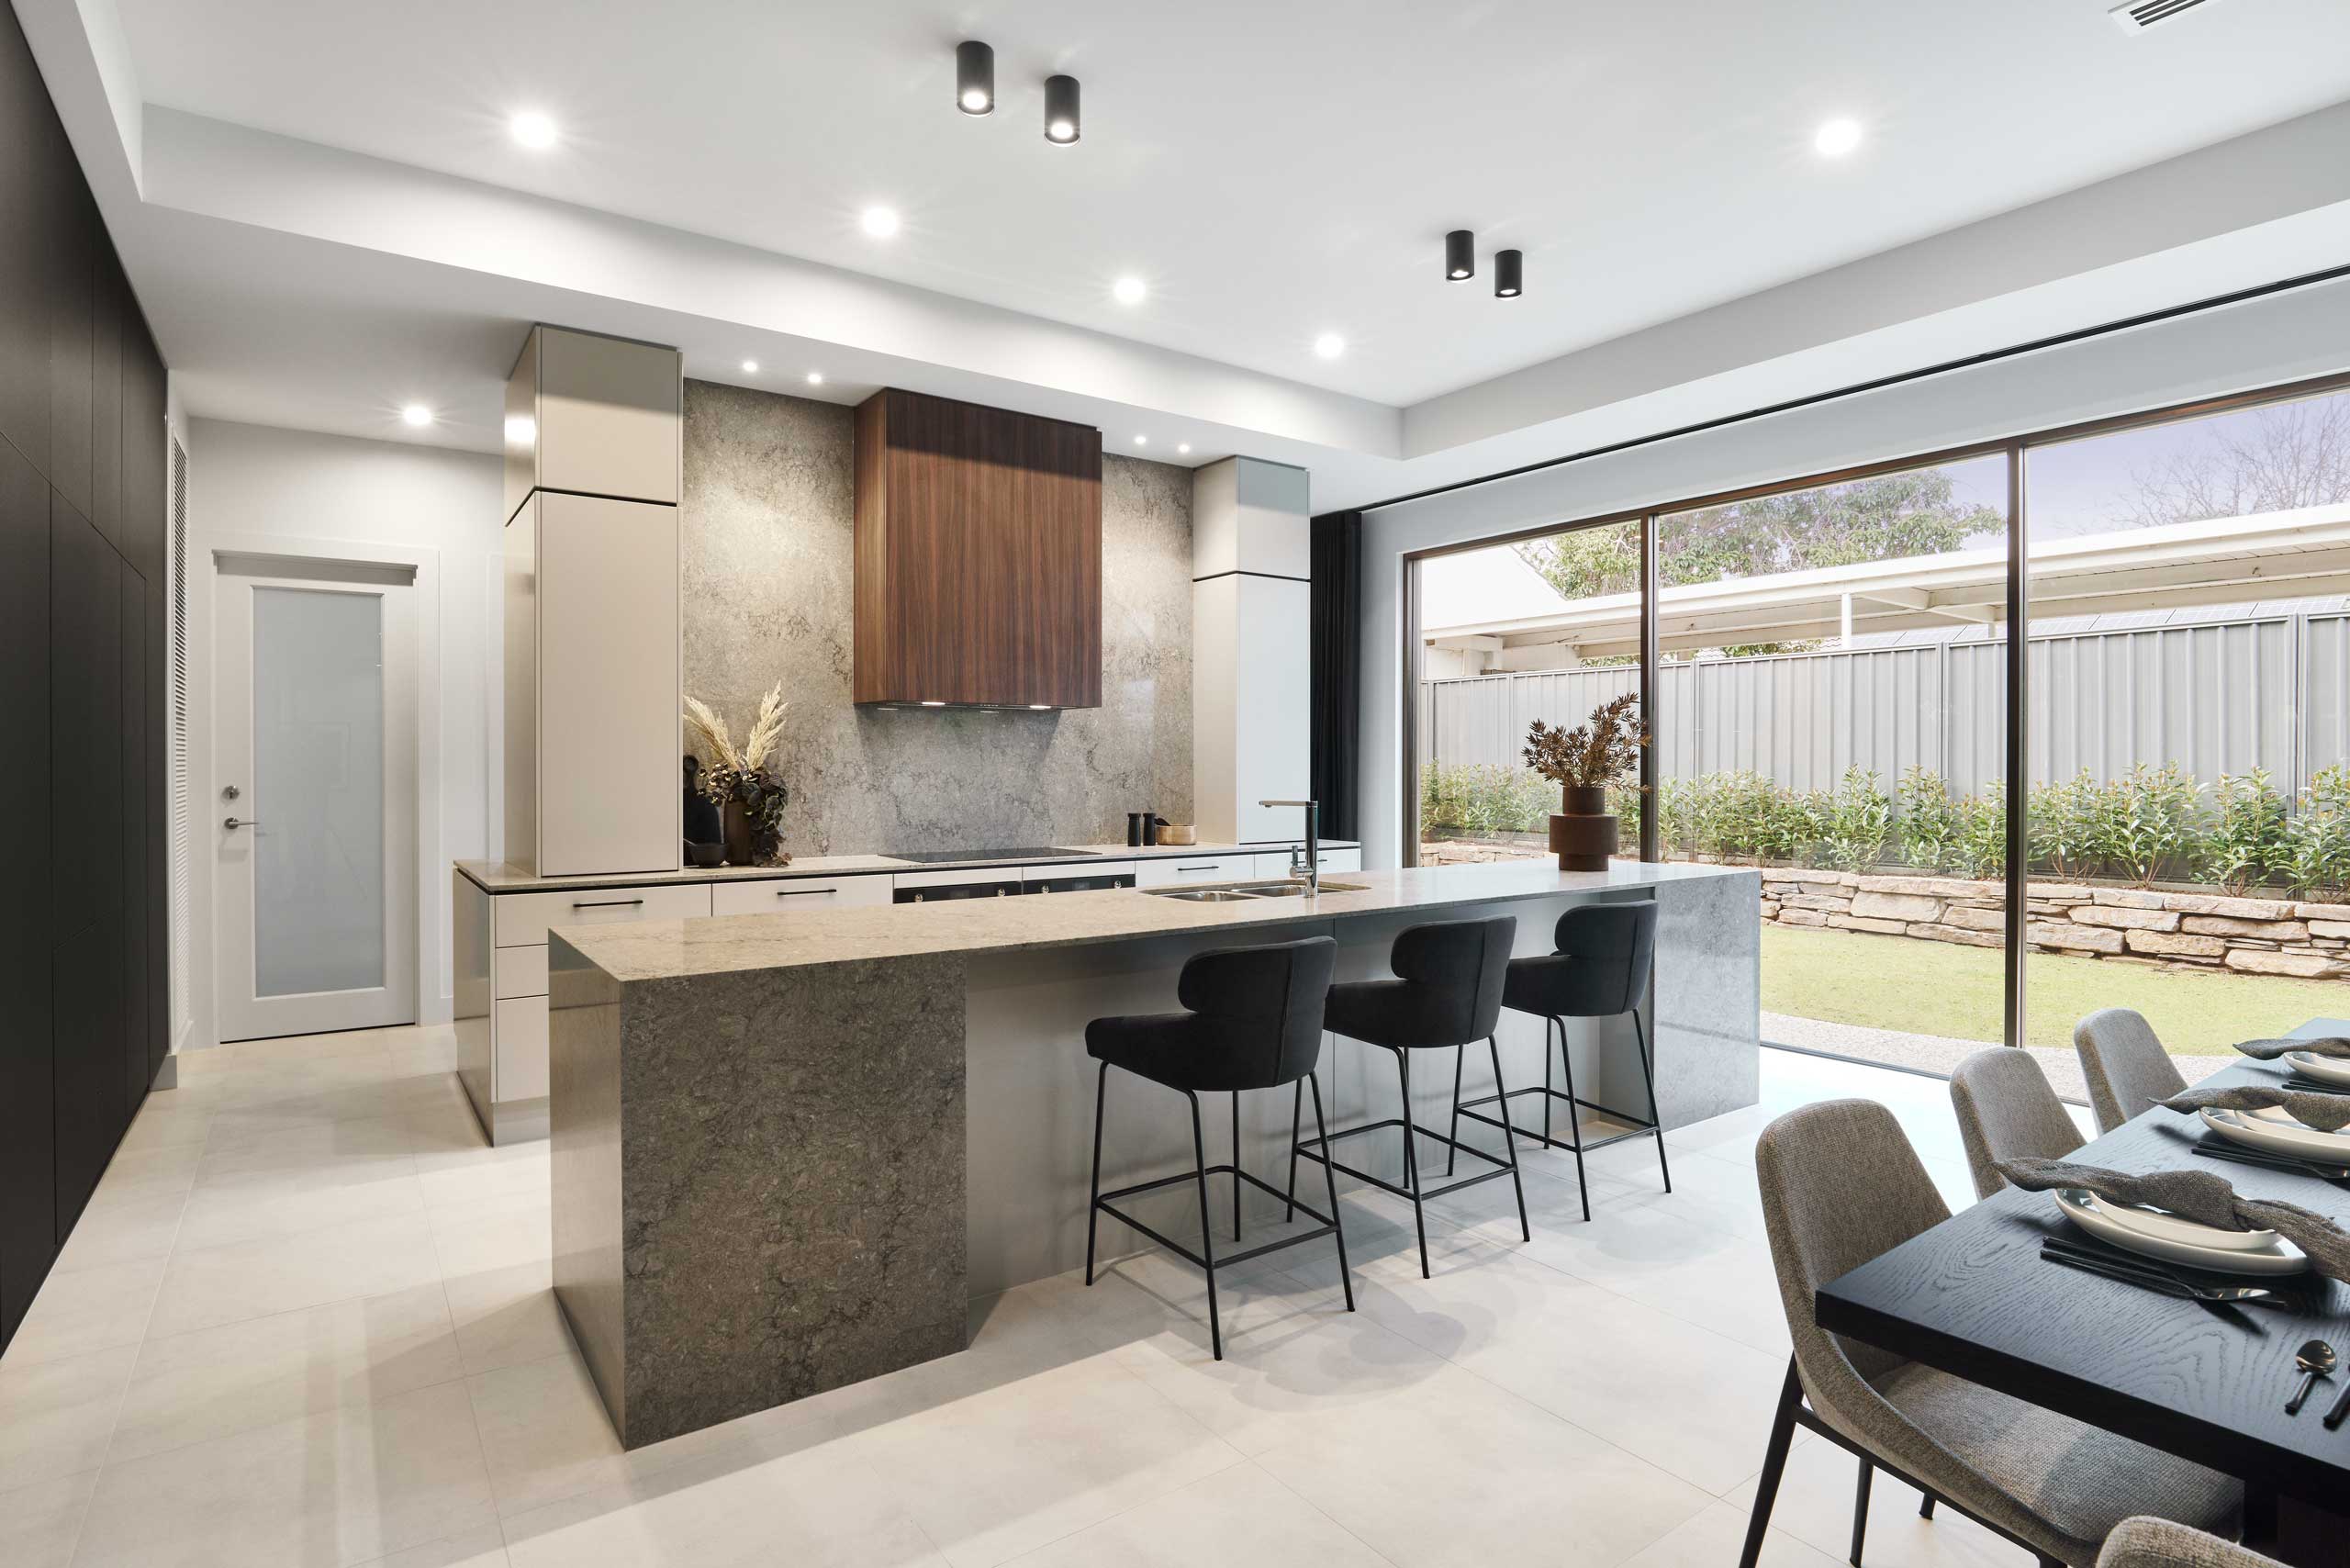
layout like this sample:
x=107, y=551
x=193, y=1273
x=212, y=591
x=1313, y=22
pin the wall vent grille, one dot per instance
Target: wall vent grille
x=2137, y=16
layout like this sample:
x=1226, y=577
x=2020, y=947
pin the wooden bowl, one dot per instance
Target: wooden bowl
x=1171, y=834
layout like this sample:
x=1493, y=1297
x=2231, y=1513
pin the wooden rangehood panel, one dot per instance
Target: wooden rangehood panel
x=979, y=555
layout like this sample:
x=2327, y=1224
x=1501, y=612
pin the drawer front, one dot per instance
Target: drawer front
x=519, y=971
x=790, y=895
x=523, y=918
x=1276, y=864
x=1169, y=872
x=519, y=1047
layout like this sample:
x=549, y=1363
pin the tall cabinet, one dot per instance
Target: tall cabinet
x=84, y=1019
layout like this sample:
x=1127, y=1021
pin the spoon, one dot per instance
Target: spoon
x=2316, y=1361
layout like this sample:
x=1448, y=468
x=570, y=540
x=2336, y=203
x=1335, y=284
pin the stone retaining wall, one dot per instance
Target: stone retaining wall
x=2170, y=930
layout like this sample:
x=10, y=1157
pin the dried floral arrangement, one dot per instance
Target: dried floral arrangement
x=1606, y=750
x=738, y=776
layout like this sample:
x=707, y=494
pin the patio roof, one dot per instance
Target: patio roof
x=2224, y=561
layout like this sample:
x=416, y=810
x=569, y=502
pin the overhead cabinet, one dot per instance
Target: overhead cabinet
x=977, y=556
x=592, y=416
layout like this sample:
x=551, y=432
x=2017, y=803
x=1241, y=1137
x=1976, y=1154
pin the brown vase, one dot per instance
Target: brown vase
x=735, y=823
x=1583, y=833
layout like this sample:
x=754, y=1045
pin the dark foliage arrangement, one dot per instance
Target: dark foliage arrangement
x=1605, y=750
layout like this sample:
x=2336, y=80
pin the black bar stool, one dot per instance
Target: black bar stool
x=1600, y=970
x=1255, y=1022
x=1448, y=994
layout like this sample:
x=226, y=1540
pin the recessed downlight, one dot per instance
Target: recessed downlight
x=1329, y=345
x=1130, y=290
x=816, y=378
x=416, y=415
x=532, y=130
x=750, y=367
x=1142, y=441
x=878, y=221
x=1837, y=138
x=1183, y=448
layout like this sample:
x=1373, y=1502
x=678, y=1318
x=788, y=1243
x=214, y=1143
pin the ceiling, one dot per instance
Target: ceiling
x=1272, y=173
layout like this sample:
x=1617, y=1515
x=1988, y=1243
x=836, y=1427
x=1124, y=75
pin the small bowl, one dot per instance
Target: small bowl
x=705, y=854
x=1170, y=834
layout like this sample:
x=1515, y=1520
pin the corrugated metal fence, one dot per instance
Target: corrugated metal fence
x=2221, y=698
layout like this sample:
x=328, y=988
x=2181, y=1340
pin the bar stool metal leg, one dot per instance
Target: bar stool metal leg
x=1236, y=1167
x=1509, y=1136
x=1412, y=1157
x=1574, y=1116
x=1656, y=1117
x=1548, y=1023
x=1207, y=1231
x=1093, y=1200
x=1450, y=1153
x=1296, y=1104
x=1330, y=1191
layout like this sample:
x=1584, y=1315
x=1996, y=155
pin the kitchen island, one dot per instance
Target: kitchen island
x=788, y=1150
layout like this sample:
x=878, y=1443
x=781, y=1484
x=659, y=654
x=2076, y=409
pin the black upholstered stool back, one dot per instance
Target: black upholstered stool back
x=1453, y=971
x=1608, y=950
x=1260, y=1009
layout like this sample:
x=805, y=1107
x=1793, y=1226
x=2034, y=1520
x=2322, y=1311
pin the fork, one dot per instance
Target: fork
x=2273, y=1161
x=2153, y=1279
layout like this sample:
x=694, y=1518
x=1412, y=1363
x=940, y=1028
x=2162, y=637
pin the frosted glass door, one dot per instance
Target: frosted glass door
x=317, y=806
x=318, y=763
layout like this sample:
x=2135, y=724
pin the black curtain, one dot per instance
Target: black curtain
x=1337, y=640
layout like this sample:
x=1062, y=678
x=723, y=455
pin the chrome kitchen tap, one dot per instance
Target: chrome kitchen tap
x=1312, y=871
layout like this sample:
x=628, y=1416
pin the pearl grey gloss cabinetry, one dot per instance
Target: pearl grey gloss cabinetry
x=84, y=1009
x=591, y=606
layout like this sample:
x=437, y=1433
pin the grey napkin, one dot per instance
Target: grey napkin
x=2198, y=1195
x=2326, y=1112
x=2269, y=1050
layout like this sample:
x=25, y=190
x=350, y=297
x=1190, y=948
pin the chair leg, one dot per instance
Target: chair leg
x=1236, y=1183
x=1926, y=1505
x=1547, y=1025
x=1861, y=1511
x=1656, y=1117
x=1093, y=1204
x=1574, y=1117
x=1451, y=1152
x=1775, y=1465
x=1297, y=1103
x=1509, y=1136
x=1330, y=1191
x=1412, y=1159
x=1207, y=1235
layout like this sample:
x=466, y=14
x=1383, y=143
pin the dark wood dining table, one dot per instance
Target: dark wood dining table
x=1972, y=1297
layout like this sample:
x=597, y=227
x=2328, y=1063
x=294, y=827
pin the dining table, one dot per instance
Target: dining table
x=1972, y=1297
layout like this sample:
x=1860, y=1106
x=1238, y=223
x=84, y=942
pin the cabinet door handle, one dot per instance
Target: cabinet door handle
x=607, y=903
x=805, y=892
x=1194, y=870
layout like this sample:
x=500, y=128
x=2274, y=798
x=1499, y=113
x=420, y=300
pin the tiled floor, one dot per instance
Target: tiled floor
x=307, y=1320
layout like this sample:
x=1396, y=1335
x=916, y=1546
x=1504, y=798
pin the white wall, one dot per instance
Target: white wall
x=249, y=483
x=2282, y=337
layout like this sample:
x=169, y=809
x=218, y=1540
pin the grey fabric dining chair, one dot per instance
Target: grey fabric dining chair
x=2158, y=1543
x=2006, y=1111
x=2050, y=1484
x=2126, y=1065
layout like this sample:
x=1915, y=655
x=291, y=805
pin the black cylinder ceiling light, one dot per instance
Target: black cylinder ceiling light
x=1061, y=124
x=974, y=77
x=1459, y=255
x=1509, y=275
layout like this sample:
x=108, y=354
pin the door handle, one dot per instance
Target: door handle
x=607, y=903
x=234, y=823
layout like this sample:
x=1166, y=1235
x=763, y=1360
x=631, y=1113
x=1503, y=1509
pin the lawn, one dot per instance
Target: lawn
x=1939, y=988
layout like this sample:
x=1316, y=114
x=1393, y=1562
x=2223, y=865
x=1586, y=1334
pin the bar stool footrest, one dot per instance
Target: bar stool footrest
x=1635, y=1127
x=1324, y=1223
x=1307, y=1149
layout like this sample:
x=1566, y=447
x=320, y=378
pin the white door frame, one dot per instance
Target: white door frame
x=248, y=550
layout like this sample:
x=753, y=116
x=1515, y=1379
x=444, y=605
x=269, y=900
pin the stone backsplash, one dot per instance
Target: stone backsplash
x=766, y=578
x=2172, y=930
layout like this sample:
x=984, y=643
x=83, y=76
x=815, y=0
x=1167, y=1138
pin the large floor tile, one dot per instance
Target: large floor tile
x=210, y=1383
x=822, y=1508
x=507, y=1315
x=547, y=1437
x=215, y=1285
x=88, y=1309
x=121, y=1230
x=1715, y=1538
x=56, y=1417
x=483, y=1548
x=221, y=1212
x=1240, y=1518
x=1815, y=1506
x=340, y=1487
x=39, y=1523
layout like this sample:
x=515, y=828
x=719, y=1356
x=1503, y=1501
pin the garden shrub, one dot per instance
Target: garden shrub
x=2145, y=821
x=2250, y=841
x=2318, y=858
x=1929, y=824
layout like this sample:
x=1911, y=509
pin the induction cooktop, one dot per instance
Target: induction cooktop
x=983, y=857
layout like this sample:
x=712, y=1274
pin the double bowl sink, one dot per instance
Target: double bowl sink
x=1244, y=893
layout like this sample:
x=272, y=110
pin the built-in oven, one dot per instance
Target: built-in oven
x=1076, y=881
x=936, y=887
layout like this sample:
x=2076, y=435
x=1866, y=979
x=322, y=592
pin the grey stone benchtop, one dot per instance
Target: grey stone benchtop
x=674, y=949
x=494, y=876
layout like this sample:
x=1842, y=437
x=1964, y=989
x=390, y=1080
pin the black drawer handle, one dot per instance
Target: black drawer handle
x=608, y=903
x=805, y=892
x=1190, y=870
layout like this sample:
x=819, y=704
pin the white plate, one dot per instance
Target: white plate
x=2170, y=1242
x=2279, y=1134
x=2325, y=1070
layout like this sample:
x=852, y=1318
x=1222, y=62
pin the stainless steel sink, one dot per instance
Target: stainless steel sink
x=1283, y=888
x=1202, y=895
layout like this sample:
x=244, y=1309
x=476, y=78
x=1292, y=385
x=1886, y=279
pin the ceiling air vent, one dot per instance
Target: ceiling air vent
x=2137, y=16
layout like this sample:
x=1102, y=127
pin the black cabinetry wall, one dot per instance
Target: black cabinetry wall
x=85, y=1011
